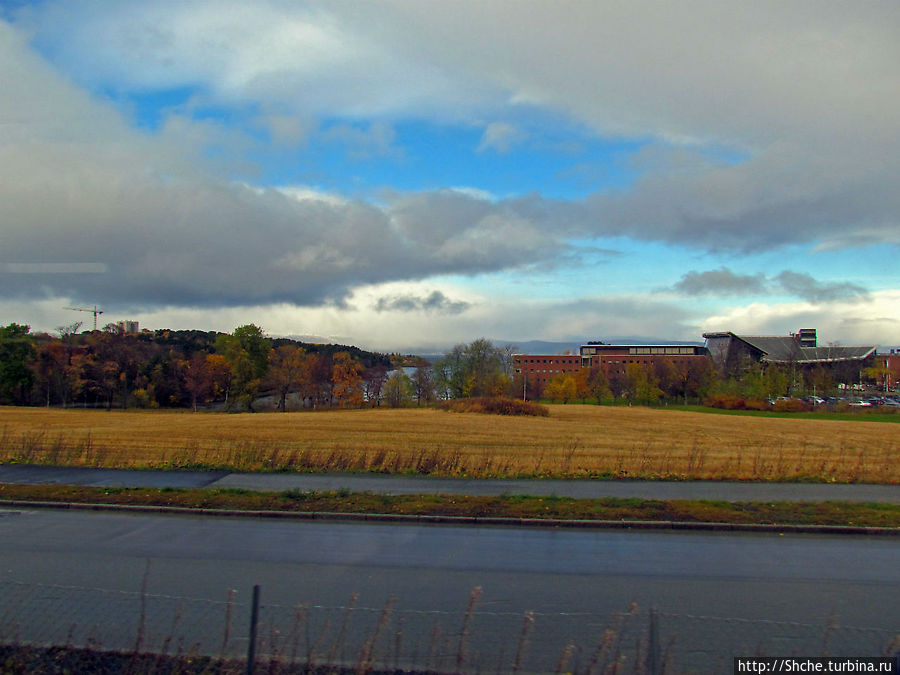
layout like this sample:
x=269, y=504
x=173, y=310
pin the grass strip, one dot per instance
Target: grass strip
x=504, y=506
x=874, y=414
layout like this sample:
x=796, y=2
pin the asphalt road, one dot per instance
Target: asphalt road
x=725, y=491
x=69, y=575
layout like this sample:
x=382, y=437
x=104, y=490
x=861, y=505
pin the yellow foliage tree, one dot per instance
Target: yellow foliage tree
x=562, y=388
x=347, y=378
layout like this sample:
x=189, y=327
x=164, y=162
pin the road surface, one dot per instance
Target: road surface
x=70, y=575
x=715, y=490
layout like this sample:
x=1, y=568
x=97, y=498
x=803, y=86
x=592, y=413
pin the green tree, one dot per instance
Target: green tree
x=640, y=384
x=598, y=384
x=397, y=389
x=476, y=369
x=16, y=355
x=247, y=352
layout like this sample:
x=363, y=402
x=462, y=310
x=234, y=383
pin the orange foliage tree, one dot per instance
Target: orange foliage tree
x=347, y=378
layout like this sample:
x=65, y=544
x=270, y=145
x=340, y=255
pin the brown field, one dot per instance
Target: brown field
x=574, y=441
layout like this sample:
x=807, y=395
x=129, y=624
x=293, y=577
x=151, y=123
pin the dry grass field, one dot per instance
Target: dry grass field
x=574, y=441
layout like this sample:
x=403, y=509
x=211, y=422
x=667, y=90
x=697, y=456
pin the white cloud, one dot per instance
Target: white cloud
x=850, y=323
x=81, y=187
x=304, y=193
x=806, y=92
x=501, y=137
x=783, y=118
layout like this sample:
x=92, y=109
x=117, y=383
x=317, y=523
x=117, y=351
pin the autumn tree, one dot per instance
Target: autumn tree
x=57, y=372
x=423, y=384
x=347, y=378
x=219, y=376
x=198, y=378
x=321, y=389
x=819, y=380
x=665, y=374
x=598, y=384
x=582, y=379
x=641, y=384
x=102, y=378
x=616, y=380
x=287, y=371
x=561, y=388
x=879, y=373
x=374, y=379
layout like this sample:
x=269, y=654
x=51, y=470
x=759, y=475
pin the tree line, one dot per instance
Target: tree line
x=696, y=380
x=246, y=370
x=163, y=368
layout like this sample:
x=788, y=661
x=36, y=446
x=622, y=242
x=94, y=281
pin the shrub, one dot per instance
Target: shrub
x=756, y=404
x=726, y=402
x=495, y=406
x=790, y=405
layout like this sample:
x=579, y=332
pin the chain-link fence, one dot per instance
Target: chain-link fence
x=394, y=638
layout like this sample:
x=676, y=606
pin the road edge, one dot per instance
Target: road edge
x=465, y=520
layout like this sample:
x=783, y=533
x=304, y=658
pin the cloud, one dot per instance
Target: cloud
x=804, y=286
x=772, y=123
x=435, y=302
x=844, y=322
x=724, y=282
x=377, y=140
x=762, y=124
x=500, y=137
x=720, y=282
x=80, y=187
x=313, y=59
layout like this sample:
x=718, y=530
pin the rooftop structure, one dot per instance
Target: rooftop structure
x=729, y=350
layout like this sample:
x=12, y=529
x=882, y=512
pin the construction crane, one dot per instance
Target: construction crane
x=94, y=311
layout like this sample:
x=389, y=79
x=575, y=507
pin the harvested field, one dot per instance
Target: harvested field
x=574, y=441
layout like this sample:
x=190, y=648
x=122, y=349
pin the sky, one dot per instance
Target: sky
x=404, y=175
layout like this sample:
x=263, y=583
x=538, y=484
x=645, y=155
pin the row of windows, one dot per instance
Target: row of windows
x=660, y=350
x=677, y=351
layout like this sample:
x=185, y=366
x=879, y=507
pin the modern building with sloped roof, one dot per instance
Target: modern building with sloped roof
x=730, y=351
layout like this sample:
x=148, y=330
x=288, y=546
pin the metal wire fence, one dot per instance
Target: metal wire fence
x=394, y=638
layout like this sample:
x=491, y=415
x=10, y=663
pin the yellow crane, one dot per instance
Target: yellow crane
x=94, y=311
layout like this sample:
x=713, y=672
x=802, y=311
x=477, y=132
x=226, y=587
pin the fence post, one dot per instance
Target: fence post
x=254, y=620
x=653, y=656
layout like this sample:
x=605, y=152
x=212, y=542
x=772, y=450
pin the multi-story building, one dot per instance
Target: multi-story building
x=615, y=358
x=541, y=368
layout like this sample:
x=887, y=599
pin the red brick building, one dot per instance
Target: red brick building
x=615, y=358
x=891, y=362
x=540, y=369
